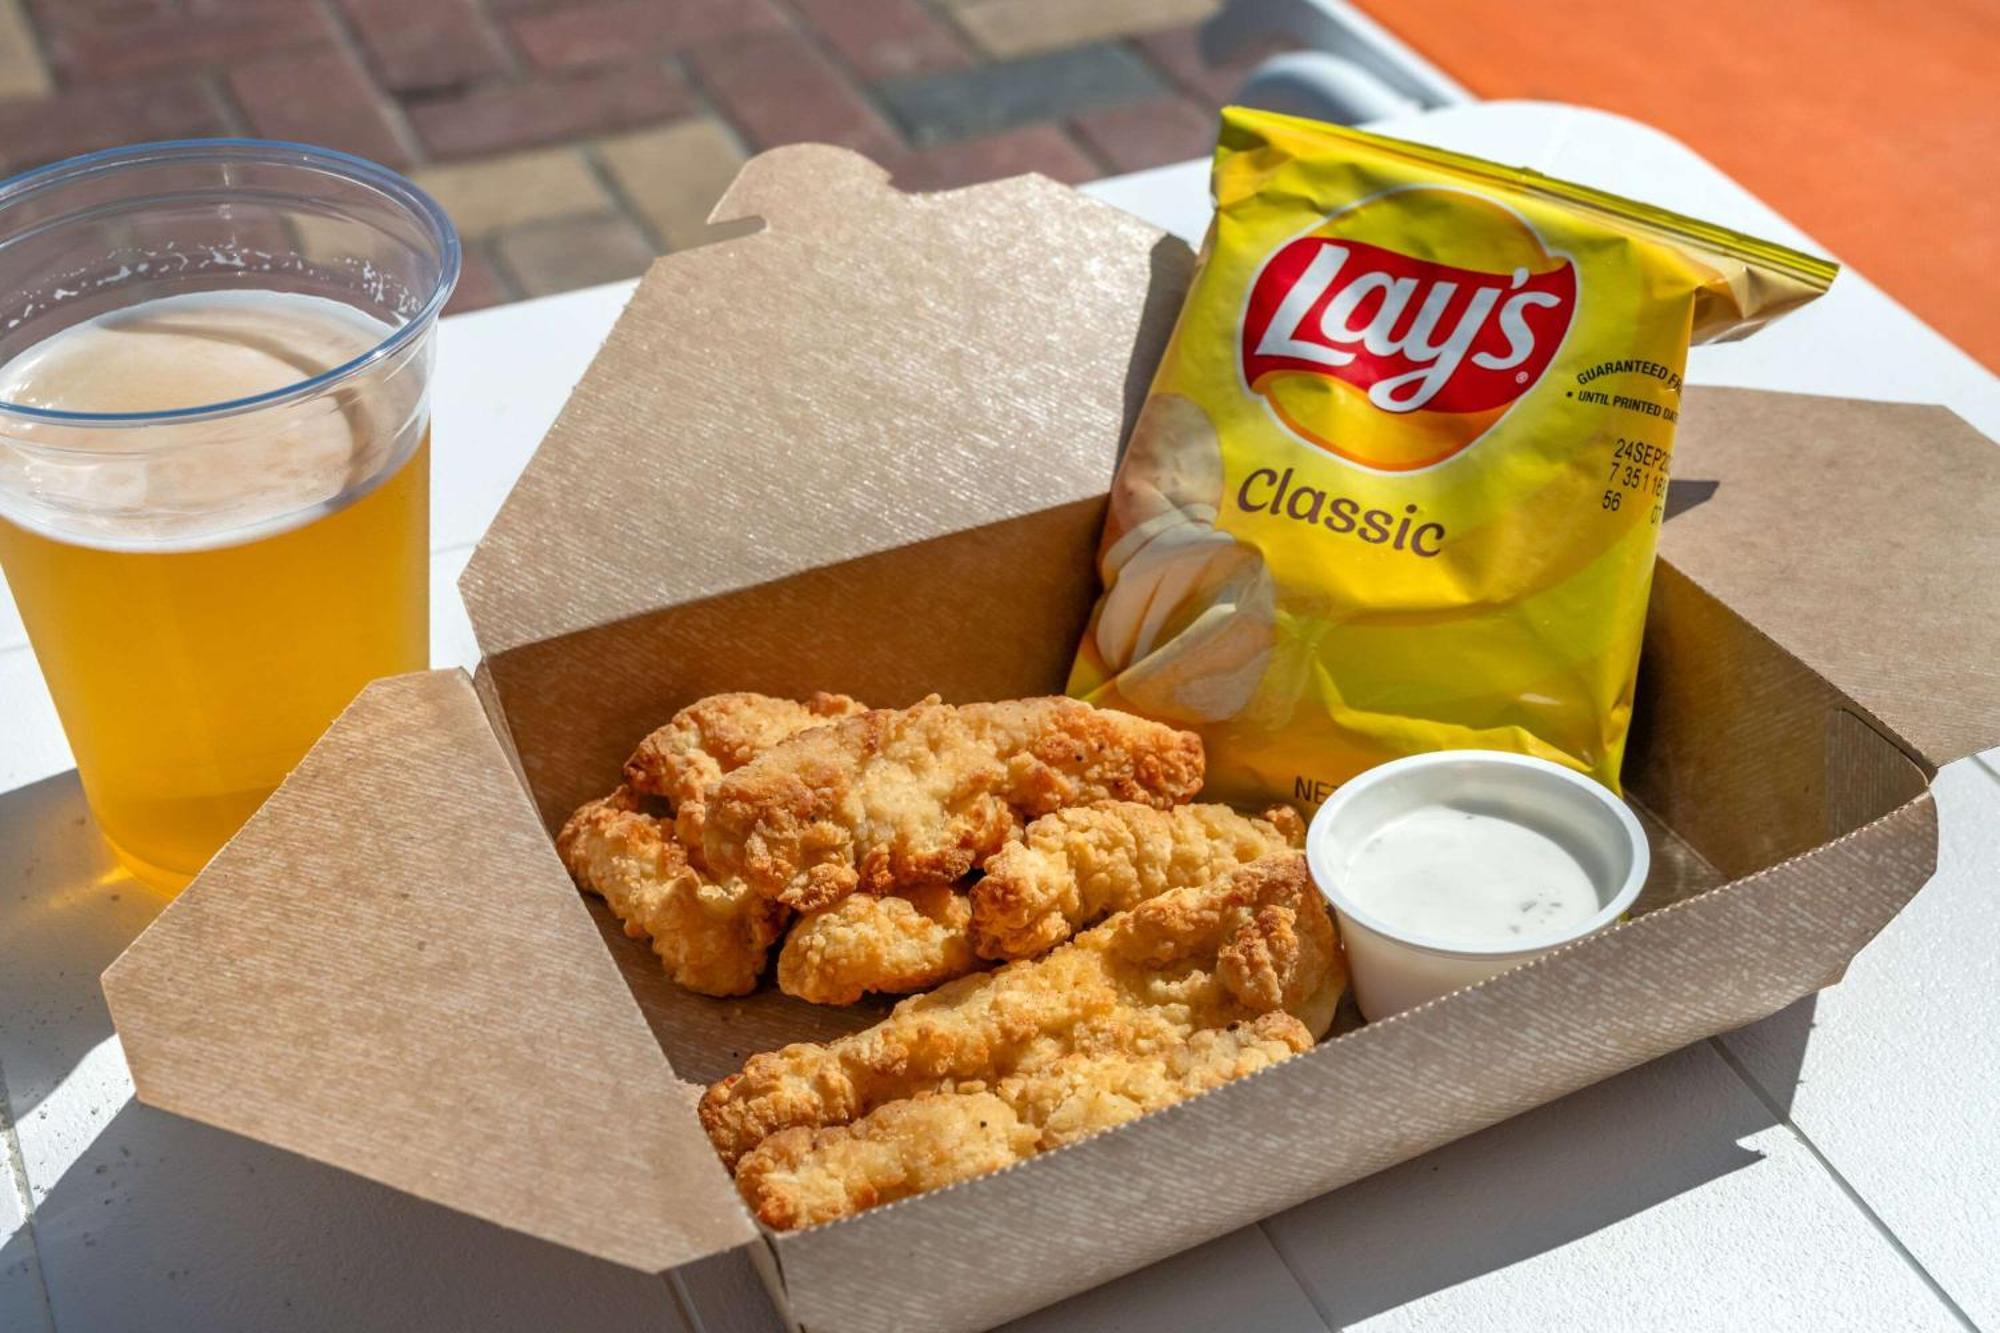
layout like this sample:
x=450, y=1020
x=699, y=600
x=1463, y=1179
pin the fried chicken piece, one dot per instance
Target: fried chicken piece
x=801, y=1177
x=713, y=933
x=925, y=794
x=713, y=937
x=1080, y=1096
x=1140, y=986
x=907, y=940
x=715, y=735
x=1078, y=866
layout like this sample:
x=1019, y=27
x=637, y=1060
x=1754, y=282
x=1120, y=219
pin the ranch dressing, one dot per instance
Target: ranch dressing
x=1469, y=880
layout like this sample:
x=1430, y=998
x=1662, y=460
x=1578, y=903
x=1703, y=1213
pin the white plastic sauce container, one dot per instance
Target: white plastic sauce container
x=1402, y=953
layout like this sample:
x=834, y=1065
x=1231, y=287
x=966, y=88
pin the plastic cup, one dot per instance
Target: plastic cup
x=209, y=573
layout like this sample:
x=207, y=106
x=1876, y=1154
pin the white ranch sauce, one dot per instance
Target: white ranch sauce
x=1470, y=880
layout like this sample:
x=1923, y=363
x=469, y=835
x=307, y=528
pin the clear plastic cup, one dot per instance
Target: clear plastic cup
x=214, y=466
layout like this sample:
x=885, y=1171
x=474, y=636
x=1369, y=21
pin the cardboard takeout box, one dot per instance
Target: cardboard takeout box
x=865, y=449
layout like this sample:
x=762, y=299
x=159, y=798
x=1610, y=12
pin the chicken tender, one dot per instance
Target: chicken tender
x=805, y=1176
x=1081, y=1095
x=801, y=1177
x=1078, y=866
x=713, y=736
x=712, y=933
x=908, y=940
x=713, y=937
x=1138, y=987
x=908, y=796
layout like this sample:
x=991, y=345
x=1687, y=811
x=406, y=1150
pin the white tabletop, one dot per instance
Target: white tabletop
x=1833, y=1167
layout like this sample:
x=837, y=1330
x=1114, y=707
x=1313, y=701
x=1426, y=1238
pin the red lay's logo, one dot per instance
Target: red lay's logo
x=1443, y=350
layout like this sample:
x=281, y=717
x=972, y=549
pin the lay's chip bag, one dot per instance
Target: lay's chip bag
x=1399, y=481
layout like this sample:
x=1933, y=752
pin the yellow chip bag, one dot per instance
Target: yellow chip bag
x=1400, y=477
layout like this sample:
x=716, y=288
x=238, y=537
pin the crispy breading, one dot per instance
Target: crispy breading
x=1081, y=1095
x=713, y=933
x=1139, y=986
x=907, y=940
x=1078, y=866
x=713, y=736
x=713, y=937
x=804, y=1176
x=925, y=794
x=801, y=1177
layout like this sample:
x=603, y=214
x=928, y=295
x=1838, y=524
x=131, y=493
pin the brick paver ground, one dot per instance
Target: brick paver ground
x=574, y=139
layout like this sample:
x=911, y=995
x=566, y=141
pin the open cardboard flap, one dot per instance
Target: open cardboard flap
x=387, y=970
x=869, y=369
x=865, y=449
x=1862, y=537
x=1821, y=633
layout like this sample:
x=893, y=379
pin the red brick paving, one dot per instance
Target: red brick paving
x=479, y=285
x=1043, y=148
x=95, y=44
x=581, y=252
x=617, y=31
x=1145, y=134
x=459, y=83
x=38, y=130
x=435, y=44
x=885, y=39
x=780, y=88
x=1174, y=51
x=551, y=109
x=343, y=111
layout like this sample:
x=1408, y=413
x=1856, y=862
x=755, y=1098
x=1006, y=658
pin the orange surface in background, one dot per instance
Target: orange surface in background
x=1872, y=124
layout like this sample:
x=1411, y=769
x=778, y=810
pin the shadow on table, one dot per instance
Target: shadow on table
x=67, y=909
x=1523, y=1188
x=163, y=1223
x=1781, y=1039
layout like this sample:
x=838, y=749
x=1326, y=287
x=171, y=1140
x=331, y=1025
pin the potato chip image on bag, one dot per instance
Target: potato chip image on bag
x=1187, y=615
x=1399, y=480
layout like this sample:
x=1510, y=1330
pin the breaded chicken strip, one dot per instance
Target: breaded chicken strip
x=1079, y=866
x=712, y=934
x=925, y=794
x=713, y=736
x=802, y=1177
x=1080, y=1095
x=712, y=937
x=1138, y=987
x=907, y=940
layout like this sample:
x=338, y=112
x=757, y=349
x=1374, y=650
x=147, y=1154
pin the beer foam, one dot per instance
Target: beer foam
x=199, y=482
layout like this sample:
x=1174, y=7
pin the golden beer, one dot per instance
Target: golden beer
x=214, y=499
x=192, y=672
x=174, y=759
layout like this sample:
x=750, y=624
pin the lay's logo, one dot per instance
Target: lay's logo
x=1339, y=330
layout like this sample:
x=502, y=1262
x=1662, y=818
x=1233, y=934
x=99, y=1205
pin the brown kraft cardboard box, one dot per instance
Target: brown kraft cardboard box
x=865, y=448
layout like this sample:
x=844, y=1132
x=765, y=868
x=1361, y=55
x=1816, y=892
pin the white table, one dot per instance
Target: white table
x=1833, y=1167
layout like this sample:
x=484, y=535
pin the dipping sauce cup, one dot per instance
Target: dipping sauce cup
x=1445, y=869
